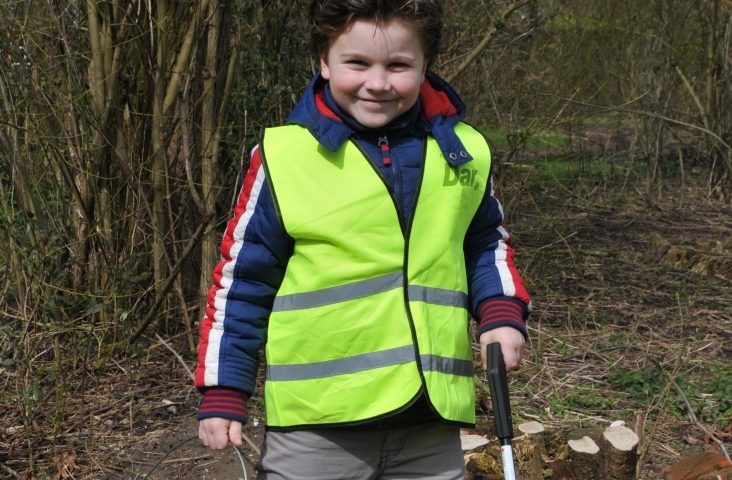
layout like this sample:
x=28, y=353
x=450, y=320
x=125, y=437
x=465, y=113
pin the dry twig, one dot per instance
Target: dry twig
x=251, y=444
x=167, y=345
x=9, y=470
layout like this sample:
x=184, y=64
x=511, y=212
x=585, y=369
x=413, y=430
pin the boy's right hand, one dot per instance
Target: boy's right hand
x=512, y=346
x=219, y=433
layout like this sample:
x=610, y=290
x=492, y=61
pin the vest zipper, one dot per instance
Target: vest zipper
x=392, y=194
x=385, y=152
x=393, y=167
x=406, y=231
x=405, y=272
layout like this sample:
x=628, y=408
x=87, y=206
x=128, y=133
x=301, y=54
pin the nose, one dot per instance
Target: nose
x=377, y=79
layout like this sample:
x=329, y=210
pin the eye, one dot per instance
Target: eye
x=356, y=62
x=398, y=65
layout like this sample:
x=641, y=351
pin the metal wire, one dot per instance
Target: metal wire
x=178, y=445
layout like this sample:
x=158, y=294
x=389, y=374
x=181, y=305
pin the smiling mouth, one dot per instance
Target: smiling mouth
x=370, y=100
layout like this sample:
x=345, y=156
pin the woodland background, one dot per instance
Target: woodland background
x=124, y=133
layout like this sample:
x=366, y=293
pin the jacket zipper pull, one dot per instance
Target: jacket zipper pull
x=385, y=152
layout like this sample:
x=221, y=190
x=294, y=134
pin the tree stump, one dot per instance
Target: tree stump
x=535, y=432
x=619, y=447
x=578, y=433
x=586, y=461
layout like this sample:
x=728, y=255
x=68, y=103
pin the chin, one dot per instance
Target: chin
x=373, y=122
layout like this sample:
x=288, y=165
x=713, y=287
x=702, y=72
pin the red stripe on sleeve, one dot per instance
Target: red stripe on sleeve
x=521, y=292
x=241, y=206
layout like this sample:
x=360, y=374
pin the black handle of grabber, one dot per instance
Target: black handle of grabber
x=498, y=384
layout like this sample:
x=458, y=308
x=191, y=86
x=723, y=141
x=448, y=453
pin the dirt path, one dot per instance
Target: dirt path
x=192, y=460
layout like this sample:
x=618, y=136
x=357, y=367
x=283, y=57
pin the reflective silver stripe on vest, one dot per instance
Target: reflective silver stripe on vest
x=341, y=366
x=453, y=366
x=341, y=293
x=438, y=296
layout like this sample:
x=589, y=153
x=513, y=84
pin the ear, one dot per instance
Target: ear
x=427, y=63
x=324, y=70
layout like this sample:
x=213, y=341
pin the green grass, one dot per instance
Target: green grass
x=566, y=168
x=504, y=138
x=583, y=399
x=709, y=393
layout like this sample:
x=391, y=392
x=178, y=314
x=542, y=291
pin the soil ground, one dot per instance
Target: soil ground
x=612, y=328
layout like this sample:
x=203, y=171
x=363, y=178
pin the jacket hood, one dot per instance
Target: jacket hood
x=441, y=109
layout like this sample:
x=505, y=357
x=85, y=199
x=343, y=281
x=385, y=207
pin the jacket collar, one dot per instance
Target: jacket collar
x=441, y=109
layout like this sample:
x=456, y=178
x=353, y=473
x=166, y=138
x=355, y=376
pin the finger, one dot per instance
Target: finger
x=515, y=359
x=235, y=433
x=216, y=441
x=222, y=438
x=202, y=434
x=483, y=355
x=511, y=360
x=209, y=432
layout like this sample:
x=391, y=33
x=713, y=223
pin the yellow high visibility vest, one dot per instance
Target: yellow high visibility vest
x=372, y=310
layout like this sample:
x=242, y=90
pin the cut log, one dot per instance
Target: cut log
x=530, y=428
x=471, y=442
x=586, y=459
x=619, y=447
x=535, y=432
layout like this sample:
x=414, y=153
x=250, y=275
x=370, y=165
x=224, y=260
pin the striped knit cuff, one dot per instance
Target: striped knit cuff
x=503, y=312
x=219, y=402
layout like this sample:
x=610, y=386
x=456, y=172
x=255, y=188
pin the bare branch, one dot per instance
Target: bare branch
x=183, y=57
x=489, y=34
x=687, y=84
x=180, y=359
x=192, y=243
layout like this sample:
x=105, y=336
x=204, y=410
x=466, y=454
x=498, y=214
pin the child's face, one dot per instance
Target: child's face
x=375, y=70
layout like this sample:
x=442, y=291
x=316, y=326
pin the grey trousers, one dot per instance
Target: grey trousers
x=430, y=451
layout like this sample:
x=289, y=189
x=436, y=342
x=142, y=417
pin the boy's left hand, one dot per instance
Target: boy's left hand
x=512, y=346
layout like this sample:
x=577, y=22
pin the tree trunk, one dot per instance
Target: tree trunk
x=209, y=247
x=213, y=116
x=158, y=149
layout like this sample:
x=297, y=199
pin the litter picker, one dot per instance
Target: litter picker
x=498, y=384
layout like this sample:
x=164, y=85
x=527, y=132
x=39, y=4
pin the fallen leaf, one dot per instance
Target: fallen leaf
x=65, y=465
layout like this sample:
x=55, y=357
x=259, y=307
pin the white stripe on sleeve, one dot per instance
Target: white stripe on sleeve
x=211, y=375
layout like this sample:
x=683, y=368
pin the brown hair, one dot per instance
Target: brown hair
x=330, y=18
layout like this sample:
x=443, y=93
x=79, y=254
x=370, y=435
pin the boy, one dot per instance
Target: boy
x=364, y=235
